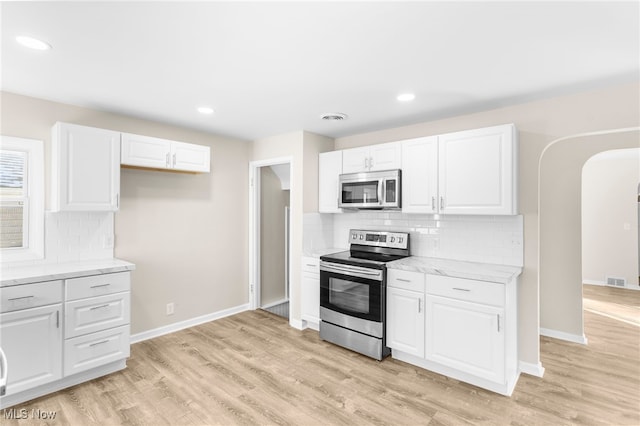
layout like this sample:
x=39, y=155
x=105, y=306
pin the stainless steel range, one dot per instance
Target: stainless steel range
x=353, y=286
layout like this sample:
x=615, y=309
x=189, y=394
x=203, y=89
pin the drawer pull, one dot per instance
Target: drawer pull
x=419, y=305
x=403, y=280
x=99, y=307
x=461, y=289
x=20, y=298
x=312, y=265
x=99, y=343
x=99, y=285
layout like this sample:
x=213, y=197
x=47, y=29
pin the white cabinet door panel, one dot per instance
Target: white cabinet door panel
x=405, y=321
x=85, y=168
x=310, y=297
x=145, y=151
x=385, y=156
x=466, y=336
x=32, y=342
x=420, y=175
x=190, y=157
x=477, y=171
x=355, y=160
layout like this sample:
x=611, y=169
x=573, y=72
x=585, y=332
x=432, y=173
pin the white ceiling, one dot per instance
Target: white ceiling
x=269, y=68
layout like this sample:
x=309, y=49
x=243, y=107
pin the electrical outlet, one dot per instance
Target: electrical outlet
x=170, y=308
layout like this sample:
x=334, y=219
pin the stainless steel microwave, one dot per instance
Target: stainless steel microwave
x=371, y=190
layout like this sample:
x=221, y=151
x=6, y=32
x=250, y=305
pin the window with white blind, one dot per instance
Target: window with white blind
x=21, y=199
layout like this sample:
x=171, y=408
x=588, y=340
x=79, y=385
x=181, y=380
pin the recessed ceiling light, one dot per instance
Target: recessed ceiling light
x=33, y=43
x=406, y=97
x=205, y=110
x=334, y=116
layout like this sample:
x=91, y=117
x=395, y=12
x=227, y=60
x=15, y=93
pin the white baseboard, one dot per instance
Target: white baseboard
x=575, y=338
x=531, y=369
x=299, y=324
x=177, y=326
x=594, y=282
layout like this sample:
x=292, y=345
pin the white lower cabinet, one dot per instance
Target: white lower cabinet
x=95, y=349
x=466, y=336
x=311, y=291
x=466, y=329
x=32, y=342
x=405, y=321
x=51, y=331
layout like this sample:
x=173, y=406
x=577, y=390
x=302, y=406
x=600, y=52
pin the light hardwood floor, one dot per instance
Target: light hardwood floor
x=252, y=368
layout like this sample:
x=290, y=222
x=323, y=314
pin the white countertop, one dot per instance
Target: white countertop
x=322, y=251
x=458, y=269
x=15, y=275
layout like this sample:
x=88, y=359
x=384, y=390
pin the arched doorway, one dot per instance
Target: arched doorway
x=560, y=228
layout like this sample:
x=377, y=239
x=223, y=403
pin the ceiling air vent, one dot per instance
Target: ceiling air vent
x=334, y=116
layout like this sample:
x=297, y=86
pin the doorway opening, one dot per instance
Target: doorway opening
x=269, y=235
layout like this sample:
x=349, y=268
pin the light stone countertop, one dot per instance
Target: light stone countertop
x=25, y=274
x=322, y=252
x=457, y=268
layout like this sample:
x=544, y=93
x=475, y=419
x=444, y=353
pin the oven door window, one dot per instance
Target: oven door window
x=360, y=192
x=353, y=296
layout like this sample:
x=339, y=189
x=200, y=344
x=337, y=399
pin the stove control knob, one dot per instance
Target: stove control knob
x=361, y=237
x=400, y=239
x=354, y=236
x=393, y=239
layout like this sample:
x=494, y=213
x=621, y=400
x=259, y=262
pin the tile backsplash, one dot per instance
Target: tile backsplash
x=73, y=236
x=490, y=239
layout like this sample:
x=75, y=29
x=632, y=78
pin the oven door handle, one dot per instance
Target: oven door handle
x=351, y=270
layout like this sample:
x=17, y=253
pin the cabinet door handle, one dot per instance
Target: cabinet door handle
x=419, y=305
x=433, y=203
x=99, y=307
x=370, y=163
x=99, y=285
x=403, y=280
x=366, y=163
x=441, y=203
x=99, y=343
x=174, y=159
x=166, y=161
x=461, y=289
x=57, y=319
x=498, y=316
x=117, y=201
x=20, y=298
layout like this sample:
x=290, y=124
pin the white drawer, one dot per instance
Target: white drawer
x=408, y=280
x=97, y=285
x=96, y=349
x=27, y=296
x=97, y=313
x=470, y=290
x=311, y=264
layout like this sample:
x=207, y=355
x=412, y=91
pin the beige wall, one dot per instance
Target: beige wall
x=303, y=147
x=610, y=216
x=560, y=227
x=170, y=225
x=273, y=200
x=538, y=123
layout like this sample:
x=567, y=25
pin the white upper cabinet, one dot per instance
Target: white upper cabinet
x=85, y=168
x=471, y=172
x=420, y=175
x=145, y=151
x=157, y=153
x=384, y=156
x=477, y=171
x=329, y=169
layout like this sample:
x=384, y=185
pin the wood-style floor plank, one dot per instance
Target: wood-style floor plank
x=253, y=369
